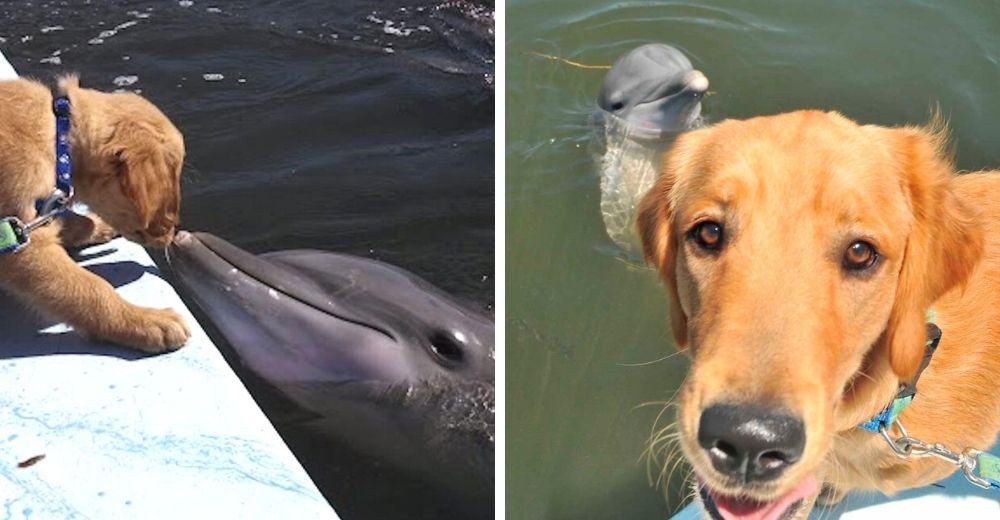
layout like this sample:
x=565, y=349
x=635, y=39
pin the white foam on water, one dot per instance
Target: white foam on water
x=213, y=76
x=628, y=170
x=108, y=33
x=124, y=81
x=185, y=3
x=388, y=28
x=51, y=28
x=53, y=60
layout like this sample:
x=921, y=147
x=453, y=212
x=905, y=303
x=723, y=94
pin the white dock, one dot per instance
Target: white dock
x=129, y=435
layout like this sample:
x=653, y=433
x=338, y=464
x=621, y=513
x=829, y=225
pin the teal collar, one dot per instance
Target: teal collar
x=980, y=468
x=907, y=391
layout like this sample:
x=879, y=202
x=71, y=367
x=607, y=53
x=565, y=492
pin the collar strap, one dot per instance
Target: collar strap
x=15, y=234
x=64, y=180
x=907, y=391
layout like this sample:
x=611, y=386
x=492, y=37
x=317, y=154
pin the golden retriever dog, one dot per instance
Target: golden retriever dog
x=126, y=165
x=801, y=253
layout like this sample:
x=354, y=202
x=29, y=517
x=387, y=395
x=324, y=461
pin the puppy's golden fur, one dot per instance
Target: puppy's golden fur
x=126, y=159
x=773, y=316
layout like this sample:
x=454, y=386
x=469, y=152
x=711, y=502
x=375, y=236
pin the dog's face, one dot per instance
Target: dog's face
x=133, y=176
x=798, y=250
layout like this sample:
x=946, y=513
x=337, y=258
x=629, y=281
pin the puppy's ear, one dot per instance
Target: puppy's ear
x=943, y=247
x=130, y=167
x=146, y=177
x=656, y=227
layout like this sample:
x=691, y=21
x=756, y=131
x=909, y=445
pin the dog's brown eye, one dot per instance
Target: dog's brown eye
x=859, y=255
x=708, y=235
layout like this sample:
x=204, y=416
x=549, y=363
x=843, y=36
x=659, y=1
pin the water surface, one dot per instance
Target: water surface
x=584, y=327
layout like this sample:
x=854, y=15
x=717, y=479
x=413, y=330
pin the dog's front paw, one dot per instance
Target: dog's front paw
x=103, y=232
x=155, y=330
x=84, y=230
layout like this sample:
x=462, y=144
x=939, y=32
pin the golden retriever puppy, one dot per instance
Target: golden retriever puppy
x=801, y=253
x=126, y=165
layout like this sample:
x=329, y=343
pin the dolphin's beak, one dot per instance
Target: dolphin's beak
x=695, y=82
x=184, y=244
x=672, y=110
x=182, y=238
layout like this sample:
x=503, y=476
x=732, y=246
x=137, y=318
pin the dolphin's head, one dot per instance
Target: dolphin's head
x=313, y=316
x=382, y=362
x=654, y=90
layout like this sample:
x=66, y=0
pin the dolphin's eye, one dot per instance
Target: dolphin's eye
x=447, y=347
x=618, y=106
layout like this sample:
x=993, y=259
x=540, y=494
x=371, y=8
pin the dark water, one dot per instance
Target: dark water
x=351, y=126
x=309, y=139
x=587, y=341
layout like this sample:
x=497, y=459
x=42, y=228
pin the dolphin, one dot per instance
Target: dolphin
x=364, y=354
x=651, y=94
x=654, y=89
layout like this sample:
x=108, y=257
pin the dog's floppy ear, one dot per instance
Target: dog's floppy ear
x=146, y=172
x=656, y=227
x=943, y=247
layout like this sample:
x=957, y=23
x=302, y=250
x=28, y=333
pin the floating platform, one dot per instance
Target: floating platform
x=92, y=430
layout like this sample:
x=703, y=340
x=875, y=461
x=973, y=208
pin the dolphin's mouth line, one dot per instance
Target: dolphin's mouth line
x=307, y=303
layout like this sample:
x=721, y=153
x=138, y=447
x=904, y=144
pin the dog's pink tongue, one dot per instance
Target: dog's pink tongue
x=746, y=509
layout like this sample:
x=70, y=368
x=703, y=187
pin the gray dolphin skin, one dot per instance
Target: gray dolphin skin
x=651, y=95
x=655, y=90
x=365, y=354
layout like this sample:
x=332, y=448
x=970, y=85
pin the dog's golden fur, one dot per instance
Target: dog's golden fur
x=127, y=160
x=774, y=318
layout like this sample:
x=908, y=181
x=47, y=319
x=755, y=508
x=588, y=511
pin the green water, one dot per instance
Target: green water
x=577, y=316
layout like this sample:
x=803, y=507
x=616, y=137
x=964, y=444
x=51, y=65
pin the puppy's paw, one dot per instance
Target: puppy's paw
x=85, y=230
x=103, y=232
x=155, y=330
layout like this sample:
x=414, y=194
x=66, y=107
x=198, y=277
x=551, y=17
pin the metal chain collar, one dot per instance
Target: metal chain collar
x=906, y=447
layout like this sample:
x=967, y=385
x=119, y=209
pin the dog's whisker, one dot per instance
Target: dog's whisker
x=678, y=460
x=647, y=363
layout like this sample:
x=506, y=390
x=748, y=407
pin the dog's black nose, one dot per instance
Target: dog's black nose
x=750, y=442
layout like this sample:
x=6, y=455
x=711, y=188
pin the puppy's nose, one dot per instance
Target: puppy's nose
x=750, y=442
